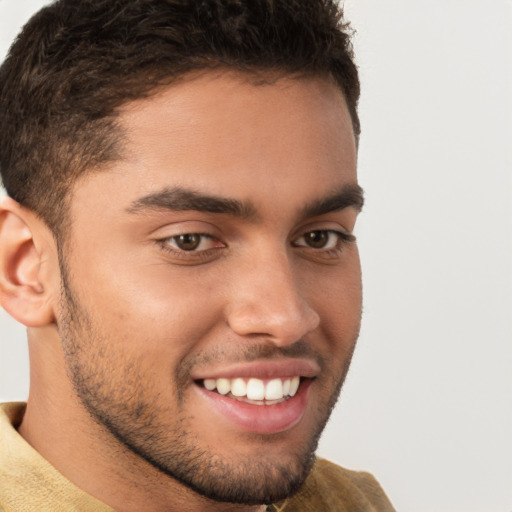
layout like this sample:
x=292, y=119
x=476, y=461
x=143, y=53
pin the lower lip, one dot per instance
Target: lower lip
x=261, y=419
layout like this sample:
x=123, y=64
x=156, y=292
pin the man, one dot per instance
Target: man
x=178, y=239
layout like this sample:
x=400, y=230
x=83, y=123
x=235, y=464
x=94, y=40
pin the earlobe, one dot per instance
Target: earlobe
x=24, y=294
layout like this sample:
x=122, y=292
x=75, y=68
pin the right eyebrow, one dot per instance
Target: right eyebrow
x=181, y=199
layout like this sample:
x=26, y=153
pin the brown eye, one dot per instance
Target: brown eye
x=188, y=242
x=192, y=243
x=323, y=239
x=317, y=239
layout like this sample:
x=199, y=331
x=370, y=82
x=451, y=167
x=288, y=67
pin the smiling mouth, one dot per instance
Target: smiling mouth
x=254, y=391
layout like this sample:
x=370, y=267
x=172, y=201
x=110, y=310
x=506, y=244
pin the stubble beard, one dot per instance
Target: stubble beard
x=133, y=416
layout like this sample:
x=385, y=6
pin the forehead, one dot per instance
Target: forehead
x=225, y=135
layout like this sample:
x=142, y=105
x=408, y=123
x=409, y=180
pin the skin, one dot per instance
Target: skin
x=116, y=359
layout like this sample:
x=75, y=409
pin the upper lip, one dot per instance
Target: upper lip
x=262, y=370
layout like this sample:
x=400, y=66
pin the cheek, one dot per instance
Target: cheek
x=335, y=289
x=337, y=298
x=143, y=325
x=156, y=299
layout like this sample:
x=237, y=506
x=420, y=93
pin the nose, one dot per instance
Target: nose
x=268, y=302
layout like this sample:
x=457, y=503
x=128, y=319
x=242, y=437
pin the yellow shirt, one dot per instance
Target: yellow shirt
x=29, y=483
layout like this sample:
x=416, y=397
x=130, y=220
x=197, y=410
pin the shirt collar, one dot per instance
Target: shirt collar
x=28, y=482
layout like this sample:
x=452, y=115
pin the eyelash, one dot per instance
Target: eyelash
x=343, y=239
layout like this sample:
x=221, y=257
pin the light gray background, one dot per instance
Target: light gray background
x=428, y=403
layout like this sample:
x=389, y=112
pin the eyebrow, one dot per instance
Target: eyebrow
x=183, y=199
x=350, y=195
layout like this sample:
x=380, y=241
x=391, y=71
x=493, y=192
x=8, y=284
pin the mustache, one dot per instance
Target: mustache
x=268, y=351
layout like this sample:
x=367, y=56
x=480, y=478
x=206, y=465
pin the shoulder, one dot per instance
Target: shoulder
x=331, y=488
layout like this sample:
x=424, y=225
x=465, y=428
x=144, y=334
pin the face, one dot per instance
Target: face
x=212, y=282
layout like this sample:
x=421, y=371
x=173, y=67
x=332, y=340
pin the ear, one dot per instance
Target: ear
x=27, y=256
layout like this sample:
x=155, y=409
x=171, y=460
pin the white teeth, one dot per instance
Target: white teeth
x=274, y=390
x=294, y=385
x=223, y=386
x=210, y=384
x=255, y=389
x=238, y=387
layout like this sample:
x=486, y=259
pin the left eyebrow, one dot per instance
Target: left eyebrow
x=349, y=196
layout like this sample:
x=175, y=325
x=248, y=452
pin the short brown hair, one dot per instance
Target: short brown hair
x=76, y=62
